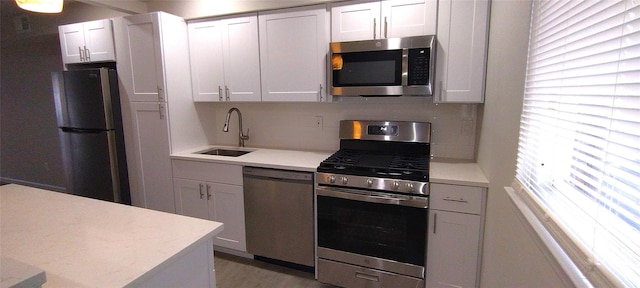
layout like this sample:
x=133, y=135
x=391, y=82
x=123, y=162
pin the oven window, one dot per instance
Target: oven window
x=375, y=68
x=380, y=230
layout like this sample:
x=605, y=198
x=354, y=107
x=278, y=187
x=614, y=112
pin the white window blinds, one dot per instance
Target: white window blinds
x=579, y=150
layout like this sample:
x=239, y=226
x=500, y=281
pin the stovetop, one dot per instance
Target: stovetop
x=394, y=165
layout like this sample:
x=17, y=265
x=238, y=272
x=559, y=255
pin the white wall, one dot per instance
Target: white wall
x=511, y=257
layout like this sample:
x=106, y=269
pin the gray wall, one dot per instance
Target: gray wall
x=511, y=257
x=29, y=145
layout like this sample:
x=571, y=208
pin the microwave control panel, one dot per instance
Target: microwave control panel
x=418, y=69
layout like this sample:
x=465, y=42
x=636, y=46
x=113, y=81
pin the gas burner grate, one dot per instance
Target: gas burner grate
x=409, y=166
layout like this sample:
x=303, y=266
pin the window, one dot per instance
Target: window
x=579, y=149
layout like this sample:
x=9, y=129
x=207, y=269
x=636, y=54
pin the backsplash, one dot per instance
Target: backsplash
x=314, y=126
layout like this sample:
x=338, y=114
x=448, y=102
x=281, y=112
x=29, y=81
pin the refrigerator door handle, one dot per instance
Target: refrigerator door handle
x=81, y=130
x=60, y=99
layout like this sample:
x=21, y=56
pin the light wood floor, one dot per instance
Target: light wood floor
x=238, y=272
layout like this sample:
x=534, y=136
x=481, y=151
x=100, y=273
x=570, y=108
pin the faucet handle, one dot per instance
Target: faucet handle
x=244, y=136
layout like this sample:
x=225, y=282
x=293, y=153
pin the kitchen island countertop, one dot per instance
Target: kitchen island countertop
x=439, y=172
x=83, y=242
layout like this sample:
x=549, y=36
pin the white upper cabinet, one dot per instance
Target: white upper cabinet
x=140, y=65
x=293, y=50
x=87, y=42
x=225, y=61
x=366, y=20
x=462, y=51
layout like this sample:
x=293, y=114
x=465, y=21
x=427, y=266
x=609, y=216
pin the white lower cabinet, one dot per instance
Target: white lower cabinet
x=456, y=220
x=149, y=157
x=212, y=191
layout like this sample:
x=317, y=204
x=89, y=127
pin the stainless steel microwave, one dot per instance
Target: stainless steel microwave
x=383, y=67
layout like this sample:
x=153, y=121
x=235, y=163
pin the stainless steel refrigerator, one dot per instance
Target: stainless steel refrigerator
x=90, y=127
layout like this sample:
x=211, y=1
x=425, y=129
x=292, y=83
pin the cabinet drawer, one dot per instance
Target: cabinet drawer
x=464, y=199
x=206, y=171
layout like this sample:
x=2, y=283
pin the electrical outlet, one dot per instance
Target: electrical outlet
x=319, y=123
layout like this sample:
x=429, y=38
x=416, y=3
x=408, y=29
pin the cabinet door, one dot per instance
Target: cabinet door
x=355, y=20
x=293, y=49
x=228, y=208
x=462, y=51
x=242, y=59
x=191, y=198
x=98, y=36
x=154, y=187
x=207, y=68
x=139, y=61
x=403, y=18
x=72, y=42
x=452, y=249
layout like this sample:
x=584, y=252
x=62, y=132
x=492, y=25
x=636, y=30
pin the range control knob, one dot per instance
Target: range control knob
x=395, y=185
x=409, y=187
x=369, y=182
x=344, y=180
x=332, y=179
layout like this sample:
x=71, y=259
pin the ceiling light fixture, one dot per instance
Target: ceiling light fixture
x=42, y=6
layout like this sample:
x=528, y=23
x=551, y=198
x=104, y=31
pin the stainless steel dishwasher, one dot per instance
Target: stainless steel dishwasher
x=278, y=208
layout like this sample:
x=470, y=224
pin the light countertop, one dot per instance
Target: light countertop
x=267, y=158
x=18, y=274
x=83, y=242
x=445, y=173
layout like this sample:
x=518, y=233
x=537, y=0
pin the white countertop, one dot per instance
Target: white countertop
x=18, y=274
x=445, y=173
x=83, y=242
x=468, y=174
x=268, y=158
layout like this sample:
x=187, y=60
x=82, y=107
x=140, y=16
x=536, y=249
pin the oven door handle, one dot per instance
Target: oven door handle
x=372, y=197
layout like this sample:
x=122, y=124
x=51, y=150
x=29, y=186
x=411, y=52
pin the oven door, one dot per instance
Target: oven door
x=376, y=230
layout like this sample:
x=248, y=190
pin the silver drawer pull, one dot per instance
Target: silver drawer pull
x=367, y=277
x=461, y=200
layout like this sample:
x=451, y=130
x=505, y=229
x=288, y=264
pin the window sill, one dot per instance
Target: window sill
x=566, y=269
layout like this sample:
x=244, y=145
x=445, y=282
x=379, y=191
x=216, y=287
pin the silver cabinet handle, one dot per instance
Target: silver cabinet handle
x=201, y=193
x=367, y=277
x=442, y=91
x=81, y=53
x=87, y=54
x=385, y=27
x=208, y=192
x=161, y=110
x=320, y=93
x=374, y=28
x=226, y=92
x=219, y=93
x=435, y=221
x=461, y=200
x=160, y=94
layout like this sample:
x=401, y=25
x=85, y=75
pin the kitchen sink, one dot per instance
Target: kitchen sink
x=224, y=152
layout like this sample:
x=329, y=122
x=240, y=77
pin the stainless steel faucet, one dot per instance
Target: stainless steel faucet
x=241, y=136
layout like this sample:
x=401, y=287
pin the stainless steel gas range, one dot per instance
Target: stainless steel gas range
x=372, y=206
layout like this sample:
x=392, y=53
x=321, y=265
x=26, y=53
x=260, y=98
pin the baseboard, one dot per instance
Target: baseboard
x=233, y=252
x=5, y=180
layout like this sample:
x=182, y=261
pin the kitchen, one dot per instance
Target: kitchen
x=272, y=125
